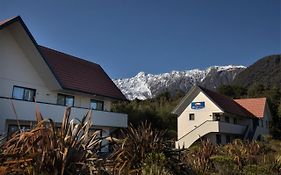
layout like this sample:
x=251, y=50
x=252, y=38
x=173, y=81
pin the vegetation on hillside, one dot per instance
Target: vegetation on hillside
x=157, y=111
x=273, y=95
x=266, y=71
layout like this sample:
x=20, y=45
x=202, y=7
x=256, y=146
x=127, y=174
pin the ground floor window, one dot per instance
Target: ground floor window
x=14, y=128
x=228, y=139
x=218, y=139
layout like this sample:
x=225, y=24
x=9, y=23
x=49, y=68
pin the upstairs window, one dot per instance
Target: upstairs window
x=97, y=105
x=216, y=116
x=22, y=93
x=235, y=121
x=66, y=100
x=226, y=119
x=191, y=116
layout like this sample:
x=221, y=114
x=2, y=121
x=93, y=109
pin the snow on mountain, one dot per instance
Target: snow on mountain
x=144, y=86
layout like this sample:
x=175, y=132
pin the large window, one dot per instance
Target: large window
x=97, y=105
x=22, y=93
x=66, y=100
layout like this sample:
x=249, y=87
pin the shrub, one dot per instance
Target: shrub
x=45, y=149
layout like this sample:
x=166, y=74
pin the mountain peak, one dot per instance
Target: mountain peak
x=144, y=86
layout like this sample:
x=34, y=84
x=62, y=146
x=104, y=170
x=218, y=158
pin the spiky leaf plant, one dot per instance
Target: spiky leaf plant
x=132, y=149
x=46, y=149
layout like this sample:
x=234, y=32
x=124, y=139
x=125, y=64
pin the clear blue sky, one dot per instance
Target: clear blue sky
x=129, y=36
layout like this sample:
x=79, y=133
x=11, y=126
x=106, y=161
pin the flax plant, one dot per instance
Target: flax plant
x=47, y=149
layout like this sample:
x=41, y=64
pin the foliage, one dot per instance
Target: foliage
x=235, y=158
x=157, y=111
x=135, y=145
x=45, y=149
x=199, y=159
x=143, y=146
x=154, y=164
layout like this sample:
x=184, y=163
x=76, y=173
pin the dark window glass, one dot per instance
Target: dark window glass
x=235, y=120
x=227, y=119
x=66, y=100
x=14, y=128
x=218, y=138
x=228, y=139
x=191, y=116
x=22, y=93
x=97, y=105
x=216, y=116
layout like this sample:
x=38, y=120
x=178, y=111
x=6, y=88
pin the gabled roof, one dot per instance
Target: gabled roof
x=80, y=75
x=256, y=106
x=225, y=103
x=73, y=73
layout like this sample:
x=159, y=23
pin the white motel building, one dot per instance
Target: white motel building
x=30, y=72
x=204, y=114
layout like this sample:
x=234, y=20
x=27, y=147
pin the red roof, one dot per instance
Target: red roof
x=254, y=105
x=80, y=75
x=74, y=73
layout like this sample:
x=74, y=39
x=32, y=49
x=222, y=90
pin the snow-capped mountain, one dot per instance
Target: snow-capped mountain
x=144, y=86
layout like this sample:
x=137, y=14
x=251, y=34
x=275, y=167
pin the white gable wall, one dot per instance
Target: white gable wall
x=201, y=115
x=17, y=69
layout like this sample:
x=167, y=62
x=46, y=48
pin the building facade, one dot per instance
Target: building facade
x=34, y=76
x=204, y=114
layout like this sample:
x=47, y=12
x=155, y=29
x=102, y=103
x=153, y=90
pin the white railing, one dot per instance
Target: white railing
x=24, y=110
x=209, y=126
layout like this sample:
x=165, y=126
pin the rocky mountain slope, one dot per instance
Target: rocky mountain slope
x=144, y=86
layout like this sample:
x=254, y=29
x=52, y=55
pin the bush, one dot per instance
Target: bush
x=45, y=149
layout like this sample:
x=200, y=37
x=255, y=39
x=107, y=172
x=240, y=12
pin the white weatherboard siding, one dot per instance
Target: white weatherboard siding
x=22, y=65
x=26, y=111
x=201, y=115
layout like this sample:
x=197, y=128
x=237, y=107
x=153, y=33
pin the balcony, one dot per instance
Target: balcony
x=206, y=127
x=25, y=110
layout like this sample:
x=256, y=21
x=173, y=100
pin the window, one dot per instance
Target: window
x=191, y=116
x=216, y=116
x=218, y=139
x=226, y=119
x=228, y=139
x=14, y=128
x=96, y=105
x=261, y=122
x=235, y=120
x=22, y=93
x=66, y=100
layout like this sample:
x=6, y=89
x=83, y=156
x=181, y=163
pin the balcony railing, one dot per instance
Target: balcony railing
x=209, y=126
x=24, y=110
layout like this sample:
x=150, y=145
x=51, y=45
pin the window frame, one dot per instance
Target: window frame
x=24, y=89
x=97, y=101
x=191, y=116
x=64, y=100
